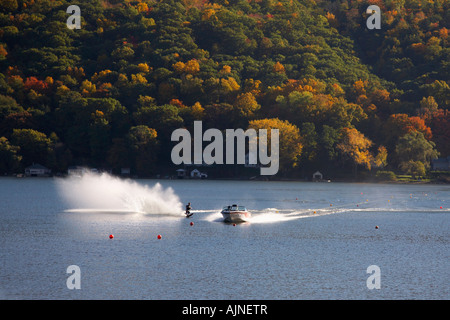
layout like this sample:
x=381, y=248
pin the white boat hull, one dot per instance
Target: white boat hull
x=236, y=216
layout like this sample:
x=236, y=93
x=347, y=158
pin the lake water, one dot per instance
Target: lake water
x=286, y=252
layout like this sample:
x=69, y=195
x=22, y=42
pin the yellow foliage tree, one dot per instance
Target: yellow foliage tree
x=247, y=104
x=87, y=88
x=179, y=66
x=225, y=69
x=138, y=79
x=192, y=66
x=278, y=67
x=355, y=146
x=142, y=7
x=197, y=111
x=380, y=160
x=290, y=147
x=143, y=68
x=229, y=85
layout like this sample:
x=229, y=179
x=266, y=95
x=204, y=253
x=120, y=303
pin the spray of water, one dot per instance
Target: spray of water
x=107, y=193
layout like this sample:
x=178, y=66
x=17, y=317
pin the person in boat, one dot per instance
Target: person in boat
x=188, y=210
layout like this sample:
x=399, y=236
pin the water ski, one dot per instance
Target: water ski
x=188, y=214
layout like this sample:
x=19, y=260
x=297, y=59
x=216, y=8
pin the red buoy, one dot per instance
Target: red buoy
x=159, y=236
x=376, y=227
x=111, y=236
x=440, y=208
x=234, y=224
x=191, y=223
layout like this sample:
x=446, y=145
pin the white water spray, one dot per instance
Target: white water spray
x=107, y=193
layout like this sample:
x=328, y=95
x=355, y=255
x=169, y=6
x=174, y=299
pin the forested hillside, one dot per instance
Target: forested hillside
x=110, y=94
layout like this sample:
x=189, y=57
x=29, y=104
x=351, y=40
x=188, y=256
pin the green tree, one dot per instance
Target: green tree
x=414, y=168
x=328, y=141
x=120, y=154
x=8, y=105
x=35, y=147
x=144, y=147
x=414, y=147
x=9, y=157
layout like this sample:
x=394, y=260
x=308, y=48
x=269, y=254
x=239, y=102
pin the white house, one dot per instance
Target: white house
x=317, y=176
x=37, y=170
x=196, y=174
x=181, y=173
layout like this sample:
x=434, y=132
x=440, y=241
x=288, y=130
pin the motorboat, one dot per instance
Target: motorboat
x=235, y=213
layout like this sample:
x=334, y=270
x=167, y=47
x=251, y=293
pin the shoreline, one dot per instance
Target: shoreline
x=265, y=179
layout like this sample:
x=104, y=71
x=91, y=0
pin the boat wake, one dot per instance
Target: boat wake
x=274, y=215
x=104, y=193
x=269, y=215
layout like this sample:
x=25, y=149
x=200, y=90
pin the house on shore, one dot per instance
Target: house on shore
x=440, y=164
x=37, y=170
x=317, y=176
x=196, y=174
x=193, y=174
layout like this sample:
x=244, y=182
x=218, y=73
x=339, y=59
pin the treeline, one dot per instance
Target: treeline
x=110, y=94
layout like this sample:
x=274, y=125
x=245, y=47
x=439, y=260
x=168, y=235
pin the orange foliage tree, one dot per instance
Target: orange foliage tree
x=355, y=146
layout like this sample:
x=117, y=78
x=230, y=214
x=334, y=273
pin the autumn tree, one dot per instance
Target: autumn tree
x=290, y=148
x=355, y=147
x=246, y=107
x=440, y=123
x=398, y=125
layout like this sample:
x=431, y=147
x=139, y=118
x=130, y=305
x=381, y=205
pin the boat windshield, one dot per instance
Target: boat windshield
x=235, y=208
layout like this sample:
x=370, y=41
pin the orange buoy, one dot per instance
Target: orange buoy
x=314, y=212
x=159, y=236
x=111, y=236
x=331, y=205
